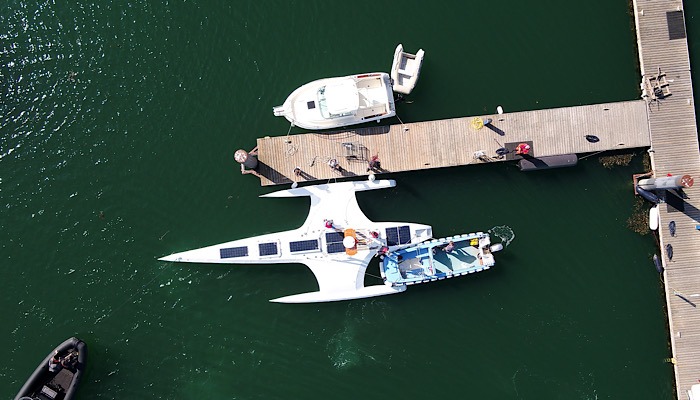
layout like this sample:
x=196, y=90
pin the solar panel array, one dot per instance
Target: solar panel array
x=268, y=249
x=398, y=235
x=336, y=247
x=332, y=237
x=303, y=245
x=405, y=234
x=334, y=242
x=233, y=252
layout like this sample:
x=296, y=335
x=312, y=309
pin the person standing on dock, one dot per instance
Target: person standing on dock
x=522, y=149
x=374, y=164
x=333, y=163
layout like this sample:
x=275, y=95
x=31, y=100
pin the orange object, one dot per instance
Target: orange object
x=351, y=251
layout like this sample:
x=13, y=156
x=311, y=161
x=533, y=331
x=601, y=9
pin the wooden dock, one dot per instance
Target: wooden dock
x=665, y=66
x=452, y=142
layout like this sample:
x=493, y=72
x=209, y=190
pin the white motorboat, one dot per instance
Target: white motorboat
x=439, y=259
x=405, y=69
x=335, y=102
x=337, y=242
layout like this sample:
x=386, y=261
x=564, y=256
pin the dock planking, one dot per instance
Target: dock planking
x=452, y=142
x=663, y=50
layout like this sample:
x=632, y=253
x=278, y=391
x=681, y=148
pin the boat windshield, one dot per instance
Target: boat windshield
x=338, y=99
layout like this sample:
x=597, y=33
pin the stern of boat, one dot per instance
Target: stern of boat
x=279, y=111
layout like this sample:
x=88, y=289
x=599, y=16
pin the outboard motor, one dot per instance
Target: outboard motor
x=496, y=247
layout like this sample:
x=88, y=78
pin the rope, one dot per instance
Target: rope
x=290, y=129
x=374, y=276
x=402, y=124
x=291, y=149
x=598, y=152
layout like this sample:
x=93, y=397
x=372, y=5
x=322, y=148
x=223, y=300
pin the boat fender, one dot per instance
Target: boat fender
x=648, y=195
x=654, y=218
x=496, y=247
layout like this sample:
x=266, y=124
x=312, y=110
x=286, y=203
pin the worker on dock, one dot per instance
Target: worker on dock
x=333, y=163
x=374, y=164
x=522, y=149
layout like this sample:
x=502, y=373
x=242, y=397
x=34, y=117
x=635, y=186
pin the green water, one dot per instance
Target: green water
x=131, y=159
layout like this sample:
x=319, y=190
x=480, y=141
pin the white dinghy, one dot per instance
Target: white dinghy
x=405, y=69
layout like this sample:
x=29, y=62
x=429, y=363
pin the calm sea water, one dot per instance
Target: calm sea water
x=119, y=120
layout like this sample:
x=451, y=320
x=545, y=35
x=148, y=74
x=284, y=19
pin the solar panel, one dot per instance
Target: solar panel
x=233, y=252
x=392, y=236
x=332, y=237
x=336, y=247
x=398, y=235
x=268, y=249
x=404, y=234
x=303, y=245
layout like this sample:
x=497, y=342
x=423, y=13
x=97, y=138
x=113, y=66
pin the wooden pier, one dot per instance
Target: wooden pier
x=452, y=142
x=665, y=66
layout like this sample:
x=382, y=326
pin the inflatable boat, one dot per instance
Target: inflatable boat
x=58, y=375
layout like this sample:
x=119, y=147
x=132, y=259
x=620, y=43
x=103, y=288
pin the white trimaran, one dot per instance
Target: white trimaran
x=337, y=242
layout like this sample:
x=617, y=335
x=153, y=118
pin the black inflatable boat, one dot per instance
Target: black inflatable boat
x=57, y=377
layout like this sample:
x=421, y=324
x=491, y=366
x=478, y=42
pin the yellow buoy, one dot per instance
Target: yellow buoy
x=477, y=123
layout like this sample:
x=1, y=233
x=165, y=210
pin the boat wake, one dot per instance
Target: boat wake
x=503, y=232
x=345, y=348
x=344, y=352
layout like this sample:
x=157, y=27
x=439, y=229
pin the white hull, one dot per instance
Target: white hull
x=405, y=69
x=336, y=102
x=338, y=268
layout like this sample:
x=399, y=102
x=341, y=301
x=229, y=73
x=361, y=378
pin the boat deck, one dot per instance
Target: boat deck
x=452, y=142
x=665, y=66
